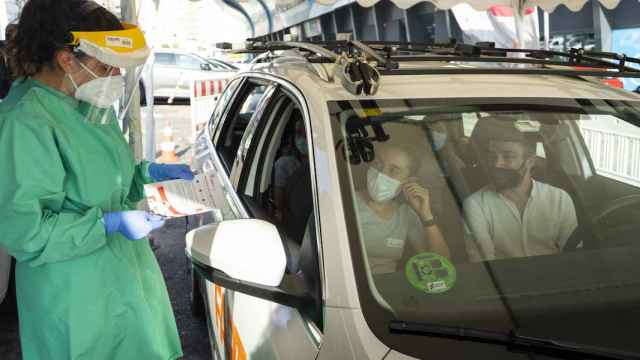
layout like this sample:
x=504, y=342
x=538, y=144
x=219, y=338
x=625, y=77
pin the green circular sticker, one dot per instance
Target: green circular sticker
x=430, y=273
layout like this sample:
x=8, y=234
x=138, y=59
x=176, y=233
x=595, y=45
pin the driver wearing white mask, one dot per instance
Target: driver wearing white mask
x=395, y=210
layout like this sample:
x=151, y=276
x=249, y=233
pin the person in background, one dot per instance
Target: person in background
x=88, y=285
x=5, y=85
x=395, y=209
x=289, y=165
x=5, y=71
x=515, y=216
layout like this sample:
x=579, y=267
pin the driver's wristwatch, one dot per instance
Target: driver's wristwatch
x=428, y=222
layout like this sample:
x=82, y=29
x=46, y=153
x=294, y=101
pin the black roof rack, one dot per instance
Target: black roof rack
x=388, y=54
x=361, y=63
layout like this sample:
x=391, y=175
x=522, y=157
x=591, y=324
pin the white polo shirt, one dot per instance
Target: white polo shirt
x=496, y=230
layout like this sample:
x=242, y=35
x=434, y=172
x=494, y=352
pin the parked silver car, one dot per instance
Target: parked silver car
x=222, y=65
x=174, y=72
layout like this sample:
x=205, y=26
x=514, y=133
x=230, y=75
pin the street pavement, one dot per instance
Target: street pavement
x=170, y=246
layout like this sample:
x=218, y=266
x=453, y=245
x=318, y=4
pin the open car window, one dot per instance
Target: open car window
x=503, y=214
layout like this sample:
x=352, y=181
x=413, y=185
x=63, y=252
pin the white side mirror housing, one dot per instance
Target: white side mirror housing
x=245, y=249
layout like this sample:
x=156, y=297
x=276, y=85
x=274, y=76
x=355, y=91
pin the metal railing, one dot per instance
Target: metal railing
x=614, y=154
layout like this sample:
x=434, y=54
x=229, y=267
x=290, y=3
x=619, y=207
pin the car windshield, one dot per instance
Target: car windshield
x=519, y=216
x=224, y=64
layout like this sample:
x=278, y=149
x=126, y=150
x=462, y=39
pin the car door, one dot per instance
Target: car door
x=223, y=135
x=247, y=326
x=165, y=74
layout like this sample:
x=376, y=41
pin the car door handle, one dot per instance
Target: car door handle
x=207, y=166
x=231, y=203
x=220, y=178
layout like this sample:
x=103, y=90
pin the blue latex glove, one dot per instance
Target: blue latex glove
x=162, y=172
x=134, y=224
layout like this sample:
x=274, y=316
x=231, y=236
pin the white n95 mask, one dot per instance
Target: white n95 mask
x=381, y=187
x=101, y=92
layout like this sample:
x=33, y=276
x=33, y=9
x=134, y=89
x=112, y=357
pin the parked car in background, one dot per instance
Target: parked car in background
x=242, y=65
x=637, y=90
x=174, y=71
x=220, y=64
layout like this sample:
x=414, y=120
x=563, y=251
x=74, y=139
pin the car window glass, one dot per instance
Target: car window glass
x=188, y=62
x=237, y=120
x=165, y=59
x=215, y=65
x=227, y=65
x=469, y=121
x=614, y=145
x=535, y=217
x=276, y=184
x=223, y=103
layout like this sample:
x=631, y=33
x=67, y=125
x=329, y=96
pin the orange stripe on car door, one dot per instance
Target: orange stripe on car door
x=219, y=304
x=237, y=348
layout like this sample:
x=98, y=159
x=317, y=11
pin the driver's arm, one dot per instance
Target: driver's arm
x=566, y=213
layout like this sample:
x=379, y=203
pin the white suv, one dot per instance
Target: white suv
x=313, y=254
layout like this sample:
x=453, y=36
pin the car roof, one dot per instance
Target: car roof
x=313, y=79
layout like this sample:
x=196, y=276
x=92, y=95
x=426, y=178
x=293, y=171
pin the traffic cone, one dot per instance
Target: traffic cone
x=168, y=147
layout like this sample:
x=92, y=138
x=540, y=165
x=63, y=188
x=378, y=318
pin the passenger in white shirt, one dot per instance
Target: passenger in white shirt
x=515, y=216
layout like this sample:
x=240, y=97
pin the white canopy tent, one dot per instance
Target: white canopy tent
x=547, y=5
x=130, y=10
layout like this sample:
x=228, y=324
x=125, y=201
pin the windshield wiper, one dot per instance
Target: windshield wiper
x=513, y=341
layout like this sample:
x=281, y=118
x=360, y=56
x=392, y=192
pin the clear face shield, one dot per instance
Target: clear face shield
x=109, y=79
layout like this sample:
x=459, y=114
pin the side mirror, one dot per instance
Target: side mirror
x=205, y=67
x=247, y=249
x=246, y=256
x=638, y=90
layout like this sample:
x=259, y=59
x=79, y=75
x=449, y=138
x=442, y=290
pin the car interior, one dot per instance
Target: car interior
x=431, y=176
x=592, y=281
x=560, y=161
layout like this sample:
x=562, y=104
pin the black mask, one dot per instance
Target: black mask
x=504, y=179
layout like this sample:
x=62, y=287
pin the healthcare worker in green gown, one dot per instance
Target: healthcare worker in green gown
x=88, y=284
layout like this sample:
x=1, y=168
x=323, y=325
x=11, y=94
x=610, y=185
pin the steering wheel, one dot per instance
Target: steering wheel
x=612, y=207
x=615, y=205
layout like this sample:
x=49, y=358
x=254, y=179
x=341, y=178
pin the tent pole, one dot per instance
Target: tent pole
x=518, y=18
x=132, y=121
x=547, y=40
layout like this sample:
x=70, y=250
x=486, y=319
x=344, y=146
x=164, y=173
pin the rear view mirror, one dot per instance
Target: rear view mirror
x=245, y=249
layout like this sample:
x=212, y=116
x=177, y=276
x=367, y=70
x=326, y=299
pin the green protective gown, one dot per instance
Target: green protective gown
x=81, y=294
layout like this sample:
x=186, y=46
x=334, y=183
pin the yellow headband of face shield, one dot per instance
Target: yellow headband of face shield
x=119, y=48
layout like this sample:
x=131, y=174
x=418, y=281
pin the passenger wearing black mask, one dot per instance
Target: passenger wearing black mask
x=515, y=216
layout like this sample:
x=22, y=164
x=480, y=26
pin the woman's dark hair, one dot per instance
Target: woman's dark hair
x=45, y=27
